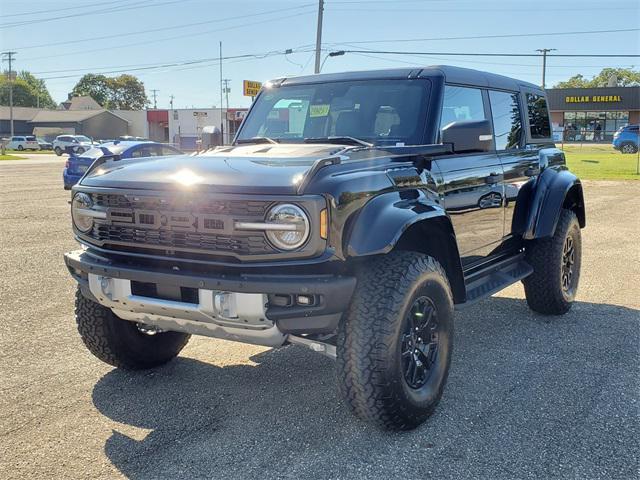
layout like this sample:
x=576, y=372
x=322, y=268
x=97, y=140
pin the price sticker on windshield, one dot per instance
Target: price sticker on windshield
x=319, y=110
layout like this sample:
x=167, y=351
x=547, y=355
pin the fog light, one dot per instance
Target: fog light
x=304, y=300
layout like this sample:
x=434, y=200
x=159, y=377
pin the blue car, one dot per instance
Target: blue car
x=76, y=166
x=626, y=139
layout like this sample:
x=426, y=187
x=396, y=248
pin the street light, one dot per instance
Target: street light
x=338, y=53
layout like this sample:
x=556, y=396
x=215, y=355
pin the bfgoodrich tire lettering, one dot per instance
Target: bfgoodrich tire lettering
x=552, y=287
x=119, y=342
x=373, y=338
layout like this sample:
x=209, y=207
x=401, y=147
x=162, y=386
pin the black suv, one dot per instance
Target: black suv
x=353, y=214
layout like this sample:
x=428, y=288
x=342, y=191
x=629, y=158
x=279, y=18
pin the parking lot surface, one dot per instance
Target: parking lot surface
x=528, y=396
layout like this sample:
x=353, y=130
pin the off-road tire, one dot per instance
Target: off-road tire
x=369, y=347
x=543, y=288
x=58, y=151
x=119, y=342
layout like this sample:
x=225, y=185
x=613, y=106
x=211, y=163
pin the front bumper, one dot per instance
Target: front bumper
x=330, y=296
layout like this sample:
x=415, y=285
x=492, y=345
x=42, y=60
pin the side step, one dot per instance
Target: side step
x=487, y=282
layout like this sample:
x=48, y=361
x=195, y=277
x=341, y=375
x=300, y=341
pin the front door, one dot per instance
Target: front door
x=473, y=184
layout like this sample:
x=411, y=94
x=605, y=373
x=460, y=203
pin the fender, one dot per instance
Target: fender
x=389, y=215
x=552, y=188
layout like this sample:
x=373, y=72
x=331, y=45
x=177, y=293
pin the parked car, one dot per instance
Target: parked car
x=77, y=144
x=23, y=143
x=627, y=139
x=44, y=144
x=350, y=215
x=77, y=165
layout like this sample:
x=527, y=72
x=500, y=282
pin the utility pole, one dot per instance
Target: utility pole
x=544, y=52
x=319, y=36
x=171, y=97
x=227, y=90
x=9, y=57
x=155, y=98
x=222, y=129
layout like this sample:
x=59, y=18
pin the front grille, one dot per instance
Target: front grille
x=185, y=226
x=248, y=208
x=242, y=245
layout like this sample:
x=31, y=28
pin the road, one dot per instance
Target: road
x=528, y=396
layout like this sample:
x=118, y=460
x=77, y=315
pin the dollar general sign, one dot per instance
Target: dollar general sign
x=593, y=99
x=250, y=89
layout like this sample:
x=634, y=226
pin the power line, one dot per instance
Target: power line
x=477, y=37
x=75, y=7
x=161, y=29
x=393, y=52
x=163, y=39
x=130, y=6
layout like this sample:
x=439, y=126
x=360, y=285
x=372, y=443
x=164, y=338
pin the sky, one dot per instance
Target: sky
x=157, y=39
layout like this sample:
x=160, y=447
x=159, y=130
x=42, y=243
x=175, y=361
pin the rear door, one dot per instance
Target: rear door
x=473, y=183
x=520, y=165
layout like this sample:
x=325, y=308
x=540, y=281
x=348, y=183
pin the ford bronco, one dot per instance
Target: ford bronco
x=352, y=215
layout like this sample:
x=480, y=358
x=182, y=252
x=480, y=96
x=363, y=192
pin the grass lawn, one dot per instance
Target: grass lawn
x=31, y=152
x=11, y=157
x=600, y=162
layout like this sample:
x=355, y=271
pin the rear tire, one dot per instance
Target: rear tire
x=119, y=342
x=58, y=151
x=556, y=260
x=394, y=346
x=20, y=147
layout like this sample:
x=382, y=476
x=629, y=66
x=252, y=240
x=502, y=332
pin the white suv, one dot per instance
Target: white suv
x=71, y=143
x=23, y=143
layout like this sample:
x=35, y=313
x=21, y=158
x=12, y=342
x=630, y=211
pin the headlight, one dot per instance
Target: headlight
x=295, y=227
x=79, y=205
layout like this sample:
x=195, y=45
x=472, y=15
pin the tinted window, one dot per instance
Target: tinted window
x=145, y=151
x=166, y=150
x=31, y=139
x=538, y=116
x=507, y=124
x=461, y=103
x=377, y=111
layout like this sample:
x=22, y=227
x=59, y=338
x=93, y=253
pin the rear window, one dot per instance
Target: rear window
x=538, y=116
x=31, y=139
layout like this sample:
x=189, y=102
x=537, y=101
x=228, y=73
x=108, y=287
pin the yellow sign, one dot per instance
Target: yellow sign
x=250, y=89
x=593, y=99
x=319, y=110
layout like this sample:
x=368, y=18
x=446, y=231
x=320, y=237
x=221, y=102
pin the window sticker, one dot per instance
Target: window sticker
x=319, y=110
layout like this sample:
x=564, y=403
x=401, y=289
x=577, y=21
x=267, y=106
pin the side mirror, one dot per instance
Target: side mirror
x=469, y=136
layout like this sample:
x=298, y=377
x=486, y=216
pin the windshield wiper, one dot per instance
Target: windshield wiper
x=340, y=140
x=243, y=141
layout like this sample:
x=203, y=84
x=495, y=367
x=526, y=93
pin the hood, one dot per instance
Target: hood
x=261, y=168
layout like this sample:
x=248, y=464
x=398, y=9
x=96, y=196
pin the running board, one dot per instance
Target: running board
x=484, y=284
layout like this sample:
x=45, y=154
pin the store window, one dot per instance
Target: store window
x=593, y=126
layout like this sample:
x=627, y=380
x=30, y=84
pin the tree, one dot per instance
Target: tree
x=624, y=77
x=28, y=91
x=124, y=92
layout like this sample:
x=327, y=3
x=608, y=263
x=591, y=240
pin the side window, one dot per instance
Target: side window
x=169, y=150
x=507, y=123
x=461, y=103
x=538, y=116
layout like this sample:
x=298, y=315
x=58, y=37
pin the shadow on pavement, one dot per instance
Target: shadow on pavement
x=528, y=395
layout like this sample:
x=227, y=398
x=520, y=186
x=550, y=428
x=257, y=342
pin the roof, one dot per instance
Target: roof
x=46, y=116
x=19, y=113
x=465, y=76
x=81, y=102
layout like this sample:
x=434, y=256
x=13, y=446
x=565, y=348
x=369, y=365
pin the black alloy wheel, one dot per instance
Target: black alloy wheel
x=420, y=342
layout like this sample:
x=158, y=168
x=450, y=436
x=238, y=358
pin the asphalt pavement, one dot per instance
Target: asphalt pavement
x=529, y=397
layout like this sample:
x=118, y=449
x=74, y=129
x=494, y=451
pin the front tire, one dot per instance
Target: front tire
x=394, y=347
x=551, y=288
x=58, y=151
x=119, y=342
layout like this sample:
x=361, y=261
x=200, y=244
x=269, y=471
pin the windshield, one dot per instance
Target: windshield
x=382, y=112
x=82, y=138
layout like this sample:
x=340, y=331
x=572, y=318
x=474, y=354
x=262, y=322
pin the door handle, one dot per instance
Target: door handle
x=494, y=178
x=532, y=171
